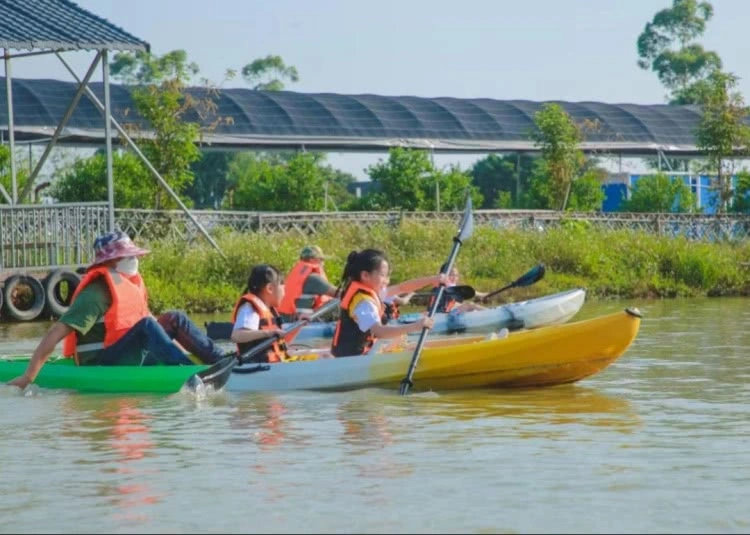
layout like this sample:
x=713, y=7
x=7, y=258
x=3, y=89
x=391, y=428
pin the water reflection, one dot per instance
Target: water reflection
x=568, y=404
x=118, y=433
x=260, y=419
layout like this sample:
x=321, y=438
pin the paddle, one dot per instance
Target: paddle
x=218, y=374
x=532, y=276
x=464, y=291
x=464, y=232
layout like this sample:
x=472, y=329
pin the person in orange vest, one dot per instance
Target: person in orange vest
x=109, y=322
x=360, y=324
x=255, y=316
x=453, y=303
x=392, y=303
x=306, y=287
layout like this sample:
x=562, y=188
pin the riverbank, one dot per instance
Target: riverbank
x=608, y=263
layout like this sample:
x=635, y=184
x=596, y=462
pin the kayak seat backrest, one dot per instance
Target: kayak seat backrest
x=219, y=330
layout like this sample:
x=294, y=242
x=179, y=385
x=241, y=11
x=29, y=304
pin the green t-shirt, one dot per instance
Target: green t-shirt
x=314, y=285
x=86, y=316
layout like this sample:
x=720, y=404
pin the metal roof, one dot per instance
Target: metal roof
x=59, y=24
x=335, y=122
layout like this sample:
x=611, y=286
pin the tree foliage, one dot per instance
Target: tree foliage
x=558, y=137
x=667, y=46
x=741, y=202
x=659, y=193
x=22, y=174
x=173, y=114
x=722, y=133
x=145, y=68
x=269, y=73
x=210, y=179
x=273, y=183
x=85, y=180
x=586, y=193
x=495, y=176
x=409, y=181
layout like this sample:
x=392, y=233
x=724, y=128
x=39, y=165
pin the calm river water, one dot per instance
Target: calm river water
x=658, y=442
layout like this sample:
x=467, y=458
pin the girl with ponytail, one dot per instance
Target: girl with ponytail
x=363, y=288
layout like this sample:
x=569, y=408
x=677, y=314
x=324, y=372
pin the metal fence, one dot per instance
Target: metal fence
x=47, y=236
x=175, y=224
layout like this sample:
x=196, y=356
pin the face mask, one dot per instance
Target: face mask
x=128, y=266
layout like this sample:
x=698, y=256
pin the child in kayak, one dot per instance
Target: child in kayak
x=365, y=285
x=451, y=302
x=255, y=317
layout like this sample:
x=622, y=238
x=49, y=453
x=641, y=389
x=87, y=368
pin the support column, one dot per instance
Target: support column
x=145, y=160
x=11, y=128
x=60, y=126
x=108, y=141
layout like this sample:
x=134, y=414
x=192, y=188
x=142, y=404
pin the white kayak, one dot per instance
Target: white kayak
x=530, y=314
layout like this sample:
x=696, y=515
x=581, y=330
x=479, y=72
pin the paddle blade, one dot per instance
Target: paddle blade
x=215, y=376
x=462, y=291
x=532, y=276
x=467, y=222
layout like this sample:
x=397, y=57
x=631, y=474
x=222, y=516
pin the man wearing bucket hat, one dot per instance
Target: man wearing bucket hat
x=109, y=323
x=306, y=286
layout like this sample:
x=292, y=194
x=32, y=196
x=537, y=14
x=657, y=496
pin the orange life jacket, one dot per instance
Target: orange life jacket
x=391, y=312
x=447, y=303
x=129, y=306
x=295, y=282
x=349, y=340
x=269, y=320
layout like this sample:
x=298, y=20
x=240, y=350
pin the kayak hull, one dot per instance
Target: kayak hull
x=530, y=314
x=530, y=358
x=62, y=373
x=546, y=356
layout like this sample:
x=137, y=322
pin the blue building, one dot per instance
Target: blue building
x=700, y=185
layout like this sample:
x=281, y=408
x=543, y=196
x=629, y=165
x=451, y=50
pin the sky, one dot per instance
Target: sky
x=576, y=50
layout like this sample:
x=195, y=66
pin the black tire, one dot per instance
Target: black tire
x=13, y=305
x=58, y=300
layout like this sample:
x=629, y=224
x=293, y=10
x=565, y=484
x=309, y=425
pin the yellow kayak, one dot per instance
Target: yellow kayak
x=546, y=356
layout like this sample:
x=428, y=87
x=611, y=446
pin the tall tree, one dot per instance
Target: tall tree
x=261, y=183
x=723, y=133
x=209, y=179
x=162, y=100
x=496, y=177
x=558, y=138
x=145, y=68
x=667, y=46
x=269, y=73
x=409, y=181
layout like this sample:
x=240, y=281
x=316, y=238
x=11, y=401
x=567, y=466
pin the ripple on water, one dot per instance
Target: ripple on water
x=657, y=442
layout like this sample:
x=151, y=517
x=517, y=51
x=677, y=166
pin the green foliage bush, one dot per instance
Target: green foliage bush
x=607, y=263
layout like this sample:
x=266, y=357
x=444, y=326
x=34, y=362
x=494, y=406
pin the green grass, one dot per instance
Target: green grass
x=607, y=263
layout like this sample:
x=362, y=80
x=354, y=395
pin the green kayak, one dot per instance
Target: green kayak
x=62, y=373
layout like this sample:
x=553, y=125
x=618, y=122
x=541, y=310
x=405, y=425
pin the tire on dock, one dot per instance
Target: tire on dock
x=23, y=297
x=59, y=286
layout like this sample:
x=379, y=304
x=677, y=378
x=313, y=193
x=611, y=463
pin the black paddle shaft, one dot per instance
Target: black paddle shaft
x=406, y=382
x=464, y=233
